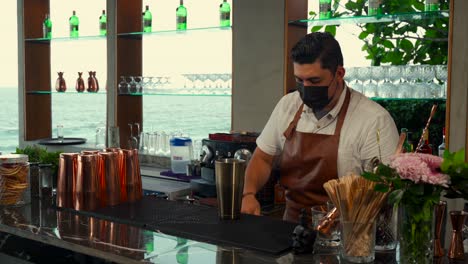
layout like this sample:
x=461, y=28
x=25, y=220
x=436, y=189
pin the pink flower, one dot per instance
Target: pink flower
x=419, y=167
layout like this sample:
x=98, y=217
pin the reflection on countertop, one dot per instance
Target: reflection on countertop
x=122, y=243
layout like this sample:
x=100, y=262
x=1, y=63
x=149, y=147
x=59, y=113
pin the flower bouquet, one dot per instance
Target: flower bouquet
x=415, y=182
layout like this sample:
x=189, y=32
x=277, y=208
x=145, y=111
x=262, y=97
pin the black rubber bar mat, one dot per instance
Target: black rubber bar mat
x=197, y=222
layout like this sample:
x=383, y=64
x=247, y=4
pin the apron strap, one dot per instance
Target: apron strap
x=343, y=111
x=292, y=126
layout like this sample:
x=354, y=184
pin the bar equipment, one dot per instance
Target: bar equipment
x=109, y=178
x=46, y=181
x=439, y=212
x=87, y=183
x=229, y=187
x=225, y=145
x=66, y=179
x=456, y=250
x=358, y=210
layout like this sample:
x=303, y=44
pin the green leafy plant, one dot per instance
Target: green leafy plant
x=41, y=155
x=399, y=42
x=455, y=166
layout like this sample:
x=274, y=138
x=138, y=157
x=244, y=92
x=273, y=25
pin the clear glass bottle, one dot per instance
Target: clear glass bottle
x=181, y=16
x=74, y=25
x=441, y=147
x=47, y=27
x=103, y=23
x=431, y=5
x=325, y=9
x=147, y=20
x=225, y=14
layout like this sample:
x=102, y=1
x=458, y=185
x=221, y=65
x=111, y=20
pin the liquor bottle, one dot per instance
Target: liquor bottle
x=47, y=27
x=407, y=147
x=325, y=9
x=103, y=23
x=441, y=147
x=147, y=20
x=74, y=24
x=225, y=14
x=374, y=7
x=426, y=147
x=431, y=5
x=181, y=16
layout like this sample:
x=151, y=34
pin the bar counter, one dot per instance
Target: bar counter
x=41, y=222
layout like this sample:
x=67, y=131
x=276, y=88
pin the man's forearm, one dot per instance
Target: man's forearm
x=258, y=171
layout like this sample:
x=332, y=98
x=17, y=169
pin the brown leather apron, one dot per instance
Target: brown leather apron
x=307, y=162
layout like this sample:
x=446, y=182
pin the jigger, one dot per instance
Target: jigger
x=229, y=187
x=439, y=212
x=456, y=250
x=66, y=179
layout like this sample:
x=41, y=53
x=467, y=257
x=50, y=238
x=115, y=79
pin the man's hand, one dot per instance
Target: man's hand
x=250, y=205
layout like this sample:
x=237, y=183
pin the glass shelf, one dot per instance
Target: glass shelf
x=406, y=99
x=175, y=94
x=130, y=34
x=65, y=93
x=174, y=31
x=65, y=39
x=372, y=19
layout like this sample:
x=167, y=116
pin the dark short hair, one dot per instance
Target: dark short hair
x=318, y=45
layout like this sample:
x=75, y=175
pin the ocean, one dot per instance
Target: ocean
x=82, y=114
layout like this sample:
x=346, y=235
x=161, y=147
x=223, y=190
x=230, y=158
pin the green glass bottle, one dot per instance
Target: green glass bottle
x=225, y=14
x=374, y=8
x=407, y=147
x=147, y=20
x=181, y=16
x=431, y=5
x=74, y=25
x=182, y=254
x=47, y=27
x=103, y=23
x=325, y=9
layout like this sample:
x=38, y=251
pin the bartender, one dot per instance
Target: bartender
x=322, y=131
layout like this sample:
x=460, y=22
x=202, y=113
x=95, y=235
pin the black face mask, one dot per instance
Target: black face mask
x=315, y=97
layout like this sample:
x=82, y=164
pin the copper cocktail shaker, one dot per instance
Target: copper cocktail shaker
x=109, y=178
x=87, y=183
x=66, y=179
x=128, y=174
x=138, y=183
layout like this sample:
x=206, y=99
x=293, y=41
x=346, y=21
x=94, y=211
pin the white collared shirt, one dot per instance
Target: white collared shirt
x=358, y=139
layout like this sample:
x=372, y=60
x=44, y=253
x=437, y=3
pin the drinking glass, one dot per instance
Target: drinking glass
x=100, y=136
x=60, y=132
x=325, y=242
